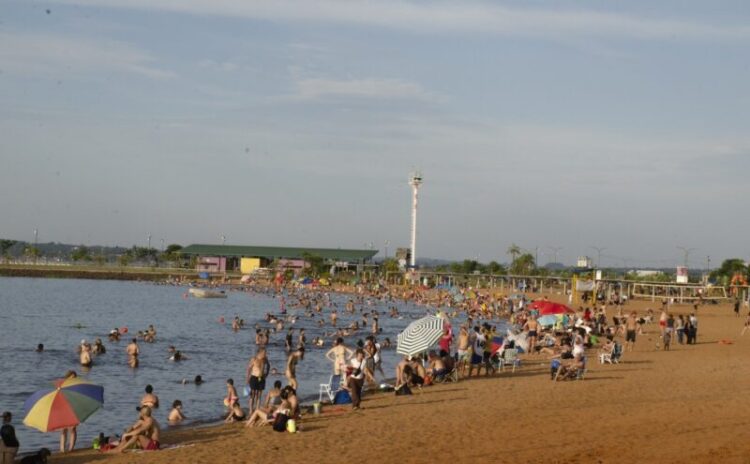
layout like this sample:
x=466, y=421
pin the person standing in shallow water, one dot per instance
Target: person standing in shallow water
x=257, y=372
x=133, y=352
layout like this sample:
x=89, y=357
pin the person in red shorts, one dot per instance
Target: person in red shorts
x=145, y=432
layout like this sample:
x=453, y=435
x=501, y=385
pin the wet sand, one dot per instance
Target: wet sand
x=685, y=405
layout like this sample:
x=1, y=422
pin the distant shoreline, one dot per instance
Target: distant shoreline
x=93, y=273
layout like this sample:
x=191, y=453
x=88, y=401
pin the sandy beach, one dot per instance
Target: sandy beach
x=687, y=404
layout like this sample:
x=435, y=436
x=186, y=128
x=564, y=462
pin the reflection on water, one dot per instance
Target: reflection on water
x=59, y=313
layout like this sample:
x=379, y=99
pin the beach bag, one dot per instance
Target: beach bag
x=279, y=422
x=342, y=397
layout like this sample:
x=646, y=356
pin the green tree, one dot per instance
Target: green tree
x=32, y=252
x=390, y=265
x=523, y=265
x=124, y=259
x=469, y=266
x=80, y=253
x=514, y=251
x=5, y=246
x=495, y=268
x=729, y=268
x=315, y=265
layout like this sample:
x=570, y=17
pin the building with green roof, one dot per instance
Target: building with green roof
x=220, y=258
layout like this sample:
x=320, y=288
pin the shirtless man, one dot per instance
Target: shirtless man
x=339, y=355
x=533, y=327
x=257, y=371
x=291, y=366
x=85, y=355
x=145, y=432
x=631, y=328
x=463, y=349
x=133, y=352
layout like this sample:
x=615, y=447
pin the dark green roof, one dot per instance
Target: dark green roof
x=277, y=252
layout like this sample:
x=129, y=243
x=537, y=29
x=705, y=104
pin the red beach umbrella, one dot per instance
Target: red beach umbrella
x=548, y=307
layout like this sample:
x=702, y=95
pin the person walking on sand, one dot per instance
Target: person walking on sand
x=737, y=307
x=133, y=352
x=532, y=326
x=357, y=378
x=339, y=355
x=257, y=371
x=463, y=349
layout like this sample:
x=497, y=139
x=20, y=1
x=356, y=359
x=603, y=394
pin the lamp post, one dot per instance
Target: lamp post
x=598, y=255
x=555, y=251
x=686, y=254
x=148, y=238
x=387, y=242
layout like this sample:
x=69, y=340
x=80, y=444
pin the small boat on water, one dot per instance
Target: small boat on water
x=206, y=293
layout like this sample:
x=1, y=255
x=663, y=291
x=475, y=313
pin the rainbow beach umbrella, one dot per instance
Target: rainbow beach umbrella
x=71, y=402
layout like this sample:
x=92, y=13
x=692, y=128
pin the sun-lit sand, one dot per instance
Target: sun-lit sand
x=686, y=405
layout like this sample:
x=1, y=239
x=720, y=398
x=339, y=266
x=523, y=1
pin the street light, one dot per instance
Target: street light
x=686, y=254
x=555, y=251
x=223, y=239
x=598, y=255
x=387, y=242
x=149, y=241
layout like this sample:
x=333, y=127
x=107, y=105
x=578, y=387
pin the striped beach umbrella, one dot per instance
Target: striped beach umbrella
x=71, y=402
x=420, y=335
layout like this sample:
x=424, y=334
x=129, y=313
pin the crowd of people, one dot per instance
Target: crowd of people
x=473, y=346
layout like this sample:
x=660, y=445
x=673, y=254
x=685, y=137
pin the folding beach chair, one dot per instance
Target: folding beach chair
x=330, y=388
x=510, y=358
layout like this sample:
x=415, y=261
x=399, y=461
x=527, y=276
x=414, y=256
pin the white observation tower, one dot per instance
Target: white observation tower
x=415, y=181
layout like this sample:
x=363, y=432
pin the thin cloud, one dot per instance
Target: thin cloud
x=311, y=89
x=444, y=17
x=39, y=54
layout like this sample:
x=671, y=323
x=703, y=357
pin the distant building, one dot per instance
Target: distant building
x=222, y=258
x=647, y=273
x=584, y=262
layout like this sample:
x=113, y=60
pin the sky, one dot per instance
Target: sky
x=621, y=125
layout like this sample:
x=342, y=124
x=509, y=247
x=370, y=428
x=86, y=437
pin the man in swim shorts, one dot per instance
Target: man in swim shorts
x=631, y=326
x=145, y=431
x=257, y=371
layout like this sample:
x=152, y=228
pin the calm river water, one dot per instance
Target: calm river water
x=59, y=313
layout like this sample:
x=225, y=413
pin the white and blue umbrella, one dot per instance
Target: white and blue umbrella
x=420, y=335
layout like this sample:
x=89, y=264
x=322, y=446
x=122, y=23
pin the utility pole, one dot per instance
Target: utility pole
x=555, y=251
x=686, y=254
x=598, y=255
x=148, y=237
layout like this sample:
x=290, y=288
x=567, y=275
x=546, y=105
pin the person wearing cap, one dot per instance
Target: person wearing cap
x=8, y=441
x=85, y=356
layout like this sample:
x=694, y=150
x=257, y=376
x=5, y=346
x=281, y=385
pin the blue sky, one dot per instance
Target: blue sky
x=569, y=124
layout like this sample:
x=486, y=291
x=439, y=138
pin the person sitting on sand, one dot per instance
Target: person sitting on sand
x=436, y=368
x=262, y=416
x=236, y=414
x=150, y=400
x=145, y=432
x=176, y=415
